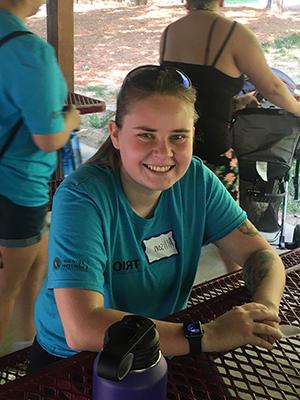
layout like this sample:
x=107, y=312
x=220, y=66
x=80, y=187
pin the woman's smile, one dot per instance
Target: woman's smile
x=155, y=142
x=159, y=168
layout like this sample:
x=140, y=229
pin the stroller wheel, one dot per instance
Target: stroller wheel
x=296, y=239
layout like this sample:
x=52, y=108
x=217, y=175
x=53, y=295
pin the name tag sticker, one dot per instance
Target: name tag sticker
x=159, y=247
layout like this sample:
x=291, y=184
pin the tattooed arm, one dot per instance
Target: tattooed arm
x=263, y=269
x=257, y=321
x=265, y=277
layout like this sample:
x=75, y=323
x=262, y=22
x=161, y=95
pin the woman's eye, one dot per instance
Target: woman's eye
x=145, y=135
x=178, y=138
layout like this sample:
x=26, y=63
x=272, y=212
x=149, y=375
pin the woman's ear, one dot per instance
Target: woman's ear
x=114, y=132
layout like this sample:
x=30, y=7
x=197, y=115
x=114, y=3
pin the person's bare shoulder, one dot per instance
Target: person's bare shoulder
x=244, y=33
x=180, y=21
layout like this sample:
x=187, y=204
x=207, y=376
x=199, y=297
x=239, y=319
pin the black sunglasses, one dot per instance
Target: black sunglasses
x=150, y=72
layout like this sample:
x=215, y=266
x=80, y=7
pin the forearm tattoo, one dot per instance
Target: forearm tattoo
x=257, y=268
x=248, y=229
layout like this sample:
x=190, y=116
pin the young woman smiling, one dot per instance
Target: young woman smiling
x=128, y=227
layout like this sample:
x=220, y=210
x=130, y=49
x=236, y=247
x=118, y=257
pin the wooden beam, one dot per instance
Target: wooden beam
x=60, y=33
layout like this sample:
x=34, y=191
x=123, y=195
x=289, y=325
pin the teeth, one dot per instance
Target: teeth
x=157, y=168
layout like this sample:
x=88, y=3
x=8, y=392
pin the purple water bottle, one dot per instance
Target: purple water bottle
x=130, y=365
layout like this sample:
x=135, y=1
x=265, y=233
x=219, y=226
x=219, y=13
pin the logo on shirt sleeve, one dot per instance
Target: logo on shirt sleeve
x=71, y=265
x=158, y=247
x=56, y=263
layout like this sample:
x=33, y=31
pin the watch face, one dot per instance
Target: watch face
x=193, y=332
x=193, y=328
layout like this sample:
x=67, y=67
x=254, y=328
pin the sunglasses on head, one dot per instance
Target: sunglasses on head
x=150, y=72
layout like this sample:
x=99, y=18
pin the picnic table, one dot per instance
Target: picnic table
x=245, y=373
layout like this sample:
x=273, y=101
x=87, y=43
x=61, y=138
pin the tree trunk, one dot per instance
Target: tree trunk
x=136, y=2
x=276, y=5
x=269, y=4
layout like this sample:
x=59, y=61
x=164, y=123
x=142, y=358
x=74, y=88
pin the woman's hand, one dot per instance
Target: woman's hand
x=52, y=142
x=72, y=118
x=275, y=324
x=242, y=101
x=250, y=323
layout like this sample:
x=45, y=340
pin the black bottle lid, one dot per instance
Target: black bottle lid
x=129, y=344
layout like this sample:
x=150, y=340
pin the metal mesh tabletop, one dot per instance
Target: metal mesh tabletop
x=248, y=372
x=86, y=105
x=245, y=373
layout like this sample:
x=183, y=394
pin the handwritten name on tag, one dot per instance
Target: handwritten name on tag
x=159, y=247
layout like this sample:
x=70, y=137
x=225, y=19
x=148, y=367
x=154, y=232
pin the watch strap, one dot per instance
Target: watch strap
x=194, y=332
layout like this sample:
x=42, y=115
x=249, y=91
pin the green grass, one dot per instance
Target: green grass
x=100, y=122
x=101, y=92
x=289, y=42
x=283, y=45
x=293, y=206
x=98, y=91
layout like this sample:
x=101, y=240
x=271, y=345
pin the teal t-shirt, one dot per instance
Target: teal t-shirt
x=143, y=266
x=32, y=87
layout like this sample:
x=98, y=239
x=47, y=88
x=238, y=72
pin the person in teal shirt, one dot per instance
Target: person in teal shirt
x=128, y=227
x=32, y=95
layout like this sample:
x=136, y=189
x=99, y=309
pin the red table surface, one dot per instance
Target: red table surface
x=245, y=373
x=86, y=105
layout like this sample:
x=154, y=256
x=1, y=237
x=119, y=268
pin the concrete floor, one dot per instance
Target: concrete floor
x=210, y=264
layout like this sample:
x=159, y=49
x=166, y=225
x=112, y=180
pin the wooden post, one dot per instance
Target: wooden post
x=60, y=33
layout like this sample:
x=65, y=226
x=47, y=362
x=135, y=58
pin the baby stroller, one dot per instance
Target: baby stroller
x=266, y=140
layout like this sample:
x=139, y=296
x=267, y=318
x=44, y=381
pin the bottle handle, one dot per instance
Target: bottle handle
x=116, y=359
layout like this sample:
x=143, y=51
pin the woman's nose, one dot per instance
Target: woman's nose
x=163, y=147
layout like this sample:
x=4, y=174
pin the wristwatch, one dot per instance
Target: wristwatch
x=194, y=332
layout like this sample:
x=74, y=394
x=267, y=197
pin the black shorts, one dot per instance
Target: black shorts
x=21, y=226
x=40, y=358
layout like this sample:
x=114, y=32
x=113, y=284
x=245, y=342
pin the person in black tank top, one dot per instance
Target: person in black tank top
x=215, y=92
x=215, y=52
